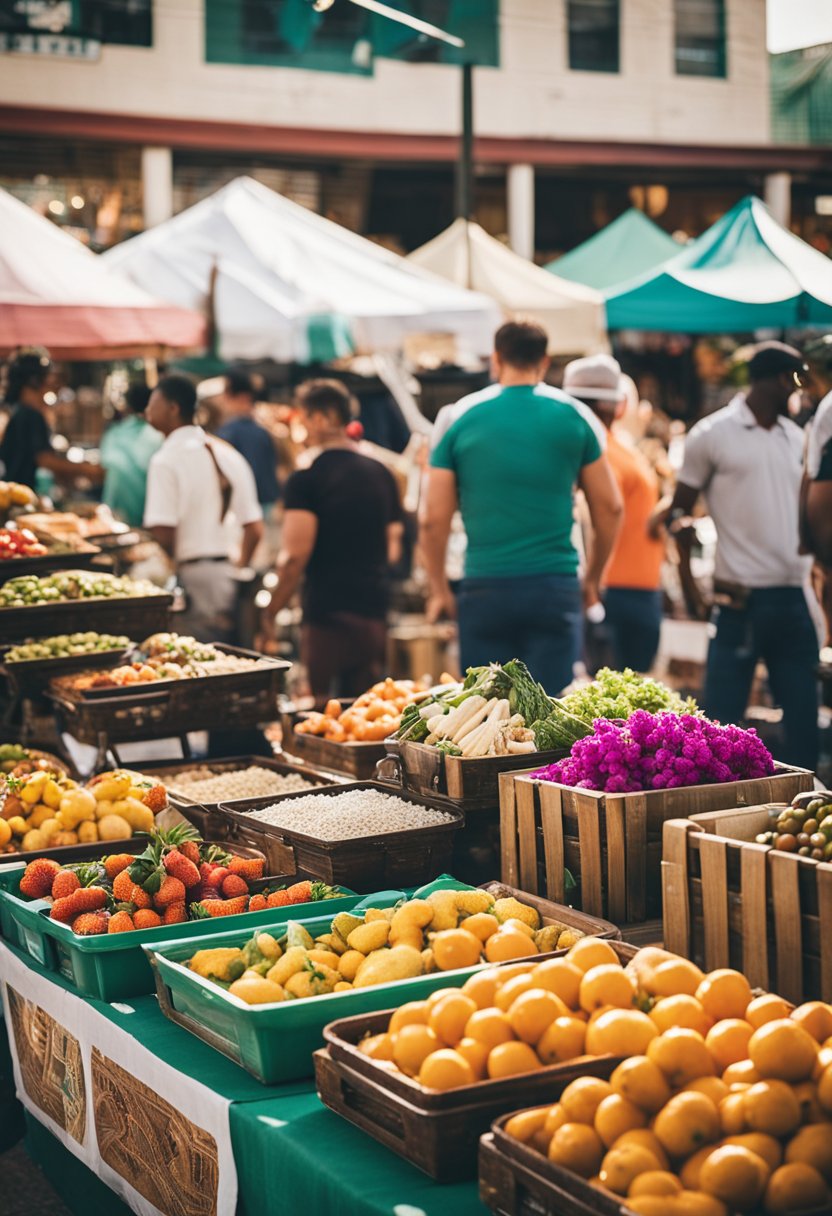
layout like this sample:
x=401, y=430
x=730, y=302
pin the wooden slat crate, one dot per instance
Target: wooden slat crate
x=470, y=783
x=729, y=902
x=611, y=843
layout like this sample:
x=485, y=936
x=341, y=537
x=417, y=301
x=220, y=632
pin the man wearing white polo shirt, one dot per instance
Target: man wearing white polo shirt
x=198, y=488
x=746, y=459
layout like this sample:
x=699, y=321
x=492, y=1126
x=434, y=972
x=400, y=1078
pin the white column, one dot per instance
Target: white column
x=778, y=196
x=520, y=199
x=157, y=185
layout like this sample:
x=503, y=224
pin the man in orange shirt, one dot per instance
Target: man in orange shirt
x=632, y=598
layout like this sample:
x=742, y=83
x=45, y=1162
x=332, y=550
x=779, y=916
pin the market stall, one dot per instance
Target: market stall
x=627, y=248
x=571, y=314
x=746, y=272
x=283, y=283
x=303, y=998
x=56, y=293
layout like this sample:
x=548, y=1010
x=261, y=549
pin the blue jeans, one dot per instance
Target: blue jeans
x=634, y=621
x=776, y=627
x=537, y=618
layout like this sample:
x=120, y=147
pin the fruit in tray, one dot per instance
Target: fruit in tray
x=13, y=494
x=18, y=761
x=19, y=542
x=124, y=677
x=735, y=1121
x=373, y=716
x=48, y=810
x=804, y=828
x=177, y=648
x=447, y=931
x=177, y=878
x=71, y=585
x=66, y=645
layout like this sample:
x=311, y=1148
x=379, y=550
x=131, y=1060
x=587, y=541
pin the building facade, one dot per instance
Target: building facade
x=114, y=116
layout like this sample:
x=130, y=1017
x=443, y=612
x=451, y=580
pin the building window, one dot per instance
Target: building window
x=345, y=38
x=594, y=35
x=700, y=37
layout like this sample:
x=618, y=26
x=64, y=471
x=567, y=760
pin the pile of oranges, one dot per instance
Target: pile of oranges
x=724, y=1103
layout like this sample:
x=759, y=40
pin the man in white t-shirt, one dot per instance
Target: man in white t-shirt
x=200, y=493
x=746, y=459
x=816, y=491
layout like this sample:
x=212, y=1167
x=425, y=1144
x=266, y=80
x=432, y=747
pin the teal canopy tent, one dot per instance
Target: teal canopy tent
x=629, y=246
x=745, y=272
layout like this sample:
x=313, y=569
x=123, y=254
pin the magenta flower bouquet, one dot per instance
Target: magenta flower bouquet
x=659, y=752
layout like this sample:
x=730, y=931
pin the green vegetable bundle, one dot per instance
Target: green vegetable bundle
x=612, y=695
x=618, y=694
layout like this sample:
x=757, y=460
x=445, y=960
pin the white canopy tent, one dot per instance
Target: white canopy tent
x=284, y=283
x=571, y=314
x=54, y=292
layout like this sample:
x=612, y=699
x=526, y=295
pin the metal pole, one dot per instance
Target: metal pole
x=465, y=166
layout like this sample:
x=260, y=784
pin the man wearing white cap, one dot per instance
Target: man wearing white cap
x=632, y=599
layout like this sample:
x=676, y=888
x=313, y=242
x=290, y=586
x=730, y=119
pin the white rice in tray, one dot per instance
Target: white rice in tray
x=351, y=815
x=252, y=782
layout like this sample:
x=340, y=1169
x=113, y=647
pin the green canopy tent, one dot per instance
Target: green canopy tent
x=745, y=272
x=628, y=247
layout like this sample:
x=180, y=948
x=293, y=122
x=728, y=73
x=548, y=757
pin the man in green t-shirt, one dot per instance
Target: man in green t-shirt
x=510, y=458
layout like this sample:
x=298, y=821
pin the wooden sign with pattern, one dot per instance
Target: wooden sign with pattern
x=51, y=1068
x=172, y=1162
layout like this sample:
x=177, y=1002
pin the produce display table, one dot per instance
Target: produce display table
x=282, y=1140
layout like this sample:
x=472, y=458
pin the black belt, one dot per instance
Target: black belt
x=193, y=561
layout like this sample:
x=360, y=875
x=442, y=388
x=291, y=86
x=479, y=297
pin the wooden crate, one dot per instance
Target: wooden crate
x=471, y=784
x=612, y=843
x=436, y=1132
x=358, y=760
x=729, y=902
x=515, y=1181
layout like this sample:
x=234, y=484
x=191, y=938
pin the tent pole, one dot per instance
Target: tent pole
x=465, y=165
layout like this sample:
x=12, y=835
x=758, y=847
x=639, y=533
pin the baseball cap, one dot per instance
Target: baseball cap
x=773, y=358
x=594, y=378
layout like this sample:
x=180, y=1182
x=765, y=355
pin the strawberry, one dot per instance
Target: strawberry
x=233, y=885
x=181, y=867
x=191, y=850
x=63, y=910
x=220, y=907
x=175, y=914
x=257, y=903
x=121, y=922
x=247, y=867
x=278, y=899
x=89, y=899
x=172, y=891
x=38, y=877
x=66, y=881
x=122, y=886
x=117, y=864
x=156, y=798
x=300, y=892
x=91, y=922
x=146, y=918
x=216, y=877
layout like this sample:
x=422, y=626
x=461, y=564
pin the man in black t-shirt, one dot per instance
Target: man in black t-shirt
x=342, y=528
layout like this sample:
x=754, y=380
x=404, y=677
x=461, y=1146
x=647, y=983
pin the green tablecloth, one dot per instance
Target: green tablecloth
x=285, y=1142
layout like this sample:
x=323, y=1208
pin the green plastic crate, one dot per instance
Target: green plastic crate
x=113, y=967
x=275, y=1042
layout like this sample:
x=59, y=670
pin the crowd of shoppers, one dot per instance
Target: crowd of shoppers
x=511, y=459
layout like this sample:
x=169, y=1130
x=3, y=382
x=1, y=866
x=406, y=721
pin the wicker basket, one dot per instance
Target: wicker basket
x=175, y=707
